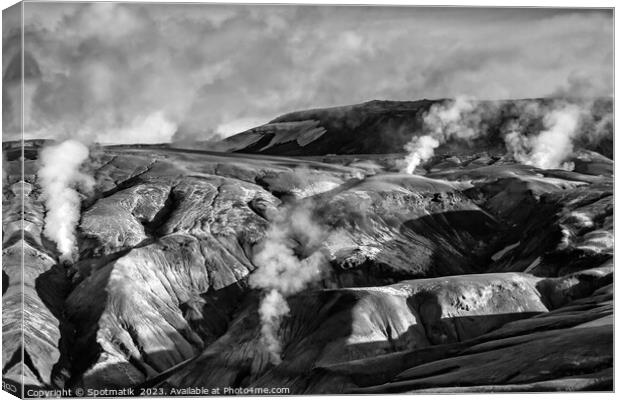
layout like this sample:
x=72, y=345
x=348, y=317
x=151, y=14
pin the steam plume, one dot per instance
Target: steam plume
x=283, y=270
x=552, y=146
x=61, y=178
x=558, y=127
x=455, y=119
x=420, y=149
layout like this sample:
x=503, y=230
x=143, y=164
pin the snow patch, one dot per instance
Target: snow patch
x=505, y=250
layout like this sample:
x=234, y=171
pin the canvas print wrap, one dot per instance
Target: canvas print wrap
x=225, y=199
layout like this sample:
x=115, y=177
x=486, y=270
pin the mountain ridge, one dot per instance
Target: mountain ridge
x=385, y=126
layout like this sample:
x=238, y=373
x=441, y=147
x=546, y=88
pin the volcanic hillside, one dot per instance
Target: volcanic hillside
x=474, y=274
x=382, y=127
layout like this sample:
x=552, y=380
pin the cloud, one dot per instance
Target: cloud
x=108, y=70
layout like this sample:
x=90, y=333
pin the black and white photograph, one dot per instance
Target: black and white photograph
x=209, y=199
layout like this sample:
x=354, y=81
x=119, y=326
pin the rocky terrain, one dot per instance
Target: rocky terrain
x=475, y=274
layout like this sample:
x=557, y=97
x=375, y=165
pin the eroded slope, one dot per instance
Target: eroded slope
x=437, y=273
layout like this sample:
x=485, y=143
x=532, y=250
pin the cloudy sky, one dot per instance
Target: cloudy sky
x=152, y=72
